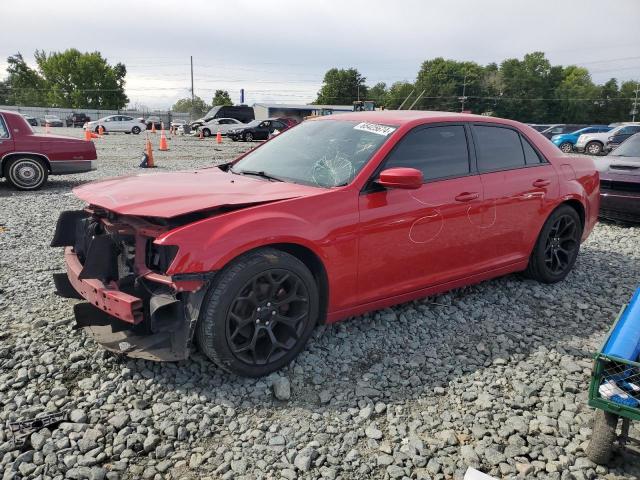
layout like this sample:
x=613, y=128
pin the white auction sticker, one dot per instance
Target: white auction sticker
x=375, y=128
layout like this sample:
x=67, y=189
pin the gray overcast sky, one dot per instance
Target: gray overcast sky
x=278, y=50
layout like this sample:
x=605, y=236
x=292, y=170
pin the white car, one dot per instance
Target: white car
x=118, y=123
x=222, y=125
x=593, y=143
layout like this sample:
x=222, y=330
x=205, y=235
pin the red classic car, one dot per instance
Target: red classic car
x=27, y=159
x=338, y=216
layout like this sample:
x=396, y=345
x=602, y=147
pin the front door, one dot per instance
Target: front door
x=411, y=239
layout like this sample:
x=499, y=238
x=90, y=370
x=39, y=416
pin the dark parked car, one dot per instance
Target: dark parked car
x=620, y=182
x=33, y=121
x=540, y=126
x=257, y=130
x=77, y=120
x=52, y=121
x=242, y=113
x=561, y=128
x=151, y=121
x=620, y=136
x=289, y=122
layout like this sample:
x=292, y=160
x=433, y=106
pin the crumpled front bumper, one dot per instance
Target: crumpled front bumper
x=154, y=321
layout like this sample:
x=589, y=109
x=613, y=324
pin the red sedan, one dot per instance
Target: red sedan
x=335, y=217
x=27, y=159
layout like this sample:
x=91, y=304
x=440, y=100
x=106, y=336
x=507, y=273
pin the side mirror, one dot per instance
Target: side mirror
x=401, y=177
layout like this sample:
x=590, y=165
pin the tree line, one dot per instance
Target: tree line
x=69, y=79
x=528, y=90
x=198, y=107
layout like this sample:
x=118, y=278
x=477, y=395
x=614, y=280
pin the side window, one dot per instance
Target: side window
x=498, y=148
x=127, y=119
x=531, y=157
x=438, y=152
x=4, y=132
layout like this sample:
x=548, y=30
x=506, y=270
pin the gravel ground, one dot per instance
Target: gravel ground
x=494, y=375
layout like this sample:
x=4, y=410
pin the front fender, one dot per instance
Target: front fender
x=208, y=245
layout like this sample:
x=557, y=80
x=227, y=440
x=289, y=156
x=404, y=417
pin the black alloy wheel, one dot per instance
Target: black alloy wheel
x=268, y=317
x=258, y=313
x=557, y=247
x=561, y=244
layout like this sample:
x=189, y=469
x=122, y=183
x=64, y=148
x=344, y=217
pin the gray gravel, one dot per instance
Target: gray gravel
x=494, y=375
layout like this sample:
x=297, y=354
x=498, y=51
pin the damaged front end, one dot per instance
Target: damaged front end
x=131, y=306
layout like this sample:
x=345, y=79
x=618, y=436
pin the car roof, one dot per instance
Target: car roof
x=402, y=117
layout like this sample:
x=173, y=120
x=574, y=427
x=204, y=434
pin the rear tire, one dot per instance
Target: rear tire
x=603, y=437
x=26, y=173
x=557, y=247
x=259, y=313
x=593, y=148
x=135, y=130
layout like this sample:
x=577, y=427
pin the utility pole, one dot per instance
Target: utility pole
x=192, y=95
x=463, y=97
x=635, y=103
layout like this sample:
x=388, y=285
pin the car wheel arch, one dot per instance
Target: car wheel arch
x=5, y=160
x=577, y=206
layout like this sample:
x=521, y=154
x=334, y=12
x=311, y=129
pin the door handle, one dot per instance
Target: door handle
x=467, y=196
x=542, y=182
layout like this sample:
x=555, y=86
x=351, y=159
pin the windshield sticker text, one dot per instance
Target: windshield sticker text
x=383, y=130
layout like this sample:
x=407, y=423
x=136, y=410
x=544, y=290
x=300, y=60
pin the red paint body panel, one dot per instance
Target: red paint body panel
x=378, y=247
x=166, y=195
x=53, y=148
x=107, y=298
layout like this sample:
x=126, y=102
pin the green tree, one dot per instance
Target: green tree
x=221, y=98
x=82, y=80
x=378, y=93
x=24, y=85
x=397, y=94
x=342, y=87
x=197, y=108
x=578, y=96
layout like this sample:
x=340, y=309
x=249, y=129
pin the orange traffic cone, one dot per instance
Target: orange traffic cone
x=218, y=137
x=100, y=130
x=163, y=141
x=147, y=156
x=87, y=134
x=153, y=127
x=46, y=128
x=201, y=136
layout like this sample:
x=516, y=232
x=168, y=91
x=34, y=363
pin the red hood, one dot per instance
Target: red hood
x=168, y=195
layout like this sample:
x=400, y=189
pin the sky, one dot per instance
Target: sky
x=279, y=50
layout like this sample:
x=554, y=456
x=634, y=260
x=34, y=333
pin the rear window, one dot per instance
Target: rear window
x=4, y=132
x=498, y=148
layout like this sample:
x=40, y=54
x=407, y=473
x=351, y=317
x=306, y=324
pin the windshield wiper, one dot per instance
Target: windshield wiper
x=258, y=173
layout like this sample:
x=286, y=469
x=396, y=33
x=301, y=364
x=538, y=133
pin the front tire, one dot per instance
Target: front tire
x=603, y=436
x=557, y=247
x=27, y=173
x=566, y=147
x=593, y=148
x=206, y=132
x=259, y=313
x=248, y=137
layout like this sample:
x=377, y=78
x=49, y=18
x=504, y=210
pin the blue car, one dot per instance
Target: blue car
x=566, y=141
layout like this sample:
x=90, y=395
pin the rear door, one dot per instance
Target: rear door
x=520, y=188
x=6, y=139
